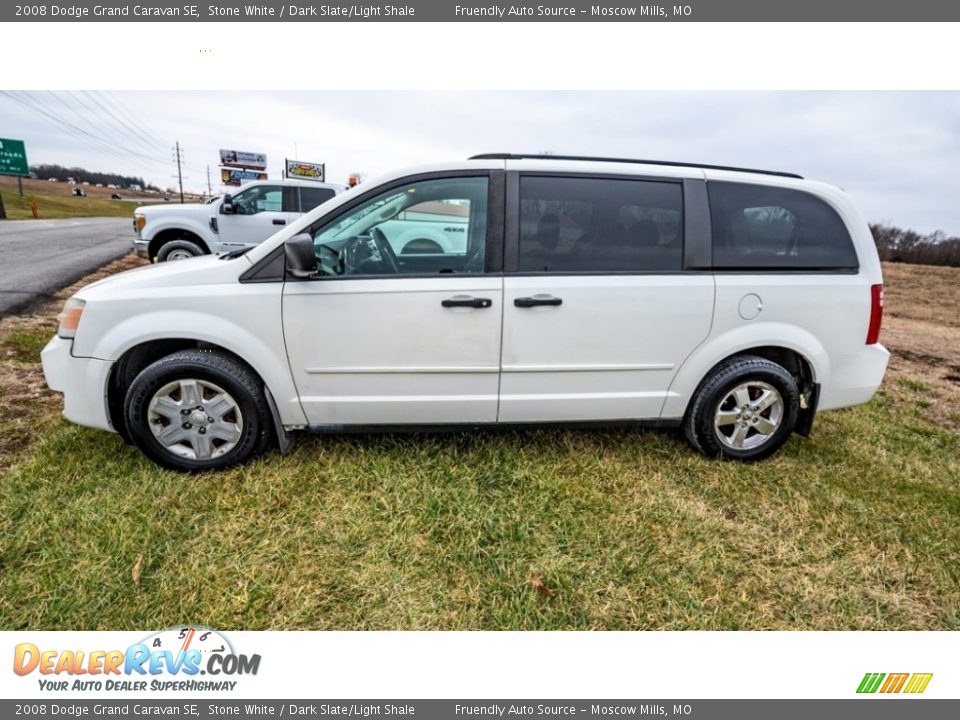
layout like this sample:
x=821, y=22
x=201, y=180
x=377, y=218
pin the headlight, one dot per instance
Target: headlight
x=139, y=221
x=69, y=317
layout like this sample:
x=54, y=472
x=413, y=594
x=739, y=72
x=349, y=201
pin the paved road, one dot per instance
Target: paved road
x=38, y=257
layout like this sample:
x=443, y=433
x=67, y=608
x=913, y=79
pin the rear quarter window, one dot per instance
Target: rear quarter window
x=756, y=227
x=312, y=197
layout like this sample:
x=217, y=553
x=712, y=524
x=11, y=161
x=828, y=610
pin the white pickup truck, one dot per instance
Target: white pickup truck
x=231, y=222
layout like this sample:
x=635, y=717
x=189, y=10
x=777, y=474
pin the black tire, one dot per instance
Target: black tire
x=422, y=246
x=715, y=396
x=251, y=414
x=177, y=248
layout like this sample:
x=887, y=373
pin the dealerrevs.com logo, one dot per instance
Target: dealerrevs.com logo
x=173, y=659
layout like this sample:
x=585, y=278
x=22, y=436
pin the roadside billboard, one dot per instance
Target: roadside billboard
x=13, y=158
x=238, y=176
x=305, y=170
x=240, y=159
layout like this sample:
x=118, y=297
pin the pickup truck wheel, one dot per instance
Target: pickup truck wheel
x=197, y=410
x=421, y=245
x=745, y=410
x=178, y=250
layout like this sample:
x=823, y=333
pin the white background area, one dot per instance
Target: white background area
x=545, y=665
x=480, y=56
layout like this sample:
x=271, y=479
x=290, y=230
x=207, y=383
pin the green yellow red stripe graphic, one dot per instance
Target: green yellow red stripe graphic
x=913, y=683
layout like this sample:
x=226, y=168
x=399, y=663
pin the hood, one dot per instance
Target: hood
x=203, y=270
x=166, y=209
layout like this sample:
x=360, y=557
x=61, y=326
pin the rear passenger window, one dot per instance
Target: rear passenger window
x=311, y=197
x=757, y=227
x=597, y=225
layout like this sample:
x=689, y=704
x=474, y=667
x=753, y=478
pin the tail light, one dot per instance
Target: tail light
x=876, y=314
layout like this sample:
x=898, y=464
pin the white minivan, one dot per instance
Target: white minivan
x=731, y=303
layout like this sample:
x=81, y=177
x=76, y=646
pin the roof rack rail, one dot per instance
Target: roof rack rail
x=523, y=156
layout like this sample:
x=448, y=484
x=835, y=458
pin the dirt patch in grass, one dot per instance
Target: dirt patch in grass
x=29, y=408
x=922, y=331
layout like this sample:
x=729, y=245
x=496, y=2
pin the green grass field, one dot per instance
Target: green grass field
x=54, y=205
x=858, y=527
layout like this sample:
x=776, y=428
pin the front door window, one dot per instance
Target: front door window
x=262, y=198
x=431, y=227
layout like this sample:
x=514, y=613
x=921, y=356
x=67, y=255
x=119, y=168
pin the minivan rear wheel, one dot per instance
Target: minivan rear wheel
x=745, y=410
x=198, y=410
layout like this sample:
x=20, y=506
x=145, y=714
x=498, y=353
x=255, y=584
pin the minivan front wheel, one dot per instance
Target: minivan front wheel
x=745, y=410
x=198, y=410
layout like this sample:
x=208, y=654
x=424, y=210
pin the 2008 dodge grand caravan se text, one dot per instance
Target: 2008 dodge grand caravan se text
x=730, y=303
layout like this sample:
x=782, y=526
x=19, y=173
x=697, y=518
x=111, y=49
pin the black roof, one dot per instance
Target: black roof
x=523, y=156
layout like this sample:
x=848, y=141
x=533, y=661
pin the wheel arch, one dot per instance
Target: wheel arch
x=795, y=349
x=133, y=359
x=427, y=234
x=168, y=234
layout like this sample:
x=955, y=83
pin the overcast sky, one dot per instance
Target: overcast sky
x=897, y=154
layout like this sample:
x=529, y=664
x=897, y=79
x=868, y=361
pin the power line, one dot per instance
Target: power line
x=128, y=120
x=143, y=125
x=99, y=117
x=129, y=130
x=104, y=144
x=101, y=144
x=143, y=128
x=83, y=114
x=96, y=142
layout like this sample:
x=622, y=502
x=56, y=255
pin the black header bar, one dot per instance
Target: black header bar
x=480, y=11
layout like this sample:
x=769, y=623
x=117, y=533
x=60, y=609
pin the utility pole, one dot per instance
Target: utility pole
x=179, y=172
x=209, y=188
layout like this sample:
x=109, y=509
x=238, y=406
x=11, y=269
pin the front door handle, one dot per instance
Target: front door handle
x=279, y=222
x=467, y=302
x=536, y=300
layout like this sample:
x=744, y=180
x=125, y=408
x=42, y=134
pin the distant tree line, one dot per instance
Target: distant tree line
x=47, y=171
x=898, y=245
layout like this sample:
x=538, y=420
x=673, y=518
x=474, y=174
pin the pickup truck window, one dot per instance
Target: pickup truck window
x=262, y=198
x=311, y=197
x=425, y=228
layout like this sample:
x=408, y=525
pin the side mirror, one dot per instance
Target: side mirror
x=226, y=207
x=301, y=258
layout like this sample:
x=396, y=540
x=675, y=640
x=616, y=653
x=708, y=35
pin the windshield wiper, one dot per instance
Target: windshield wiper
x=235, y=253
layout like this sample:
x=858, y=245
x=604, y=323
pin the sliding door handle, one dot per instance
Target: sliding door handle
x=536, y=300
x=461, y=301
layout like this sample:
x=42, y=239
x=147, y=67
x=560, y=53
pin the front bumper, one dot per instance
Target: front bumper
x=140, y=247
x=81, y=381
